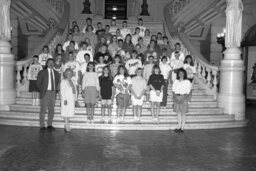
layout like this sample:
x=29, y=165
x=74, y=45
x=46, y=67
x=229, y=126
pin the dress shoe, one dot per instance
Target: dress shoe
x=181, y=131
x=50, y=128
x=42, y=129
x=176, y=130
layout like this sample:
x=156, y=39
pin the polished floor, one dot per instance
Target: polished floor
x=26, y=149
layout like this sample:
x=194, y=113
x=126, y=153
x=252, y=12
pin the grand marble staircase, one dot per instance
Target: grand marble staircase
x=203, y=114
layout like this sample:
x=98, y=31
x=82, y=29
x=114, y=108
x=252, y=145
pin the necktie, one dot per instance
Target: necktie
x=52, y=81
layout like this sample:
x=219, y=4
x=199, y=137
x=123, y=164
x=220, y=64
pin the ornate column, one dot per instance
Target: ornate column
x=7, y=73
x=231, y=96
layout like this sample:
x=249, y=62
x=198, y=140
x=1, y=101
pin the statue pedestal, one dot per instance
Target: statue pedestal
x=231, y=96
x=82, y=18
x=7, y=76
x=146, y=18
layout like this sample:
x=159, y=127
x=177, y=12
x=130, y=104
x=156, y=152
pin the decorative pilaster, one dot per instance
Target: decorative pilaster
x=231, y=96
x=7, y=79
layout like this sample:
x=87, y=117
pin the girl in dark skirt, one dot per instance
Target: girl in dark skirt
x=181, y=90
x=33, y=70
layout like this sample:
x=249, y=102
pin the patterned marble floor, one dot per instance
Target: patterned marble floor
x=26, y=149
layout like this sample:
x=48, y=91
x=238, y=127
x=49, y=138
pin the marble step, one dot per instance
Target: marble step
x=128, y=118
x=127, y=126
x=169, y=98
x=194, y=92
x=145, y=111
x=193, y=104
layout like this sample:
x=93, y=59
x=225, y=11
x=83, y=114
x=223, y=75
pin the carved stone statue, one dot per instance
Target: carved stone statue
x=5, y=26
x=87, y=6
x=233, y=23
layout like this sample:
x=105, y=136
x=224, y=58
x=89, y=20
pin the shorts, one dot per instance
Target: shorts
x=136, y=102
x=106, y=101
x=155, y=98
x=90, y=95
x=123, y=100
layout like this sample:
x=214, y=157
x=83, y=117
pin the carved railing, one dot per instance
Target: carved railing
x=57, y=4
x=53, y=37
x=207, y=74
x=177, y=5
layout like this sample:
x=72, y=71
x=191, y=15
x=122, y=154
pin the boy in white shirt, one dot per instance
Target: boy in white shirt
x=83, y=66
x=67, y=43
x=132, y=64
x=165, y=71
x=142, y=28
x=80, y=55
x=136, y=36
x=177, y=60
x=125, y=30
x=44, y=56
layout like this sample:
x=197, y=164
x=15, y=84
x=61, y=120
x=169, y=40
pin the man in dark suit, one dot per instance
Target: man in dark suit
x=48, y=82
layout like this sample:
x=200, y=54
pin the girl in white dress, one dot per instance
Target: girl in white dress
x=68, y=93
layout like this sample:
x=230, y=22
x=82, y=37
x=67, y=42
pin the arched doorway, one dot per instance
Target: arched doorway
x=249, y=48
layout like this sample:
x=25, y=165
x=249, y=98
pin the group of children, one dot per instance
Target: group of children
x=114, y=63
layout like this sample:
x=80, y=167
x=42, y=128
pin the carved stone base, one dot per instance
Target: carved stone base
x=231, y=96
x=82, y=18
x=4, y=108
x=7, y=75
x=146, y=18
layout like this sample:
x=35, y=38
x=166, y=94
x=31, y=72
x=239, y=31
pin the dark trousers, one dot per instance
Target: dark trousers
x=47, y=102
x=165, y=93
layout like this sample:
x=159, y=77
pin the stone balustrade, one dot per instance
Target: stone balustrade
x=22, y=66
x=57, y=4
x=206, y=74
x=177, y=6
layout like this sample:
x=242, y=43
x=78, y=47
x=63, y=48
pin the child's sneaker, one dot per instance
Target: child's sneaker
x=102, y=120
x=37, y=102
x=110, y=121
x=33, y=102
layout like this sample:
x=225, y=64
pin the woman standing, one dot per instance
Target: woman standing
x=181, y=90
x=138, y=89
x=123, y=83
x=156, y=85
x=68, y=93
x=106, y=93
x=90, y=87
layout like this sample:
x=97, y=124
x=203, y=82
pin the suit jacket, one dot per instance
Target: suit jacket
x=42, y=81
